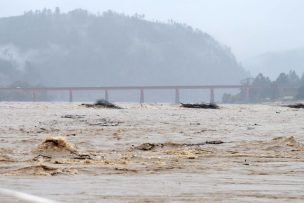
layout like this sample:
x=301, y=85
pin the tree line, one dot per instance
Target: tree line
x=285, y=87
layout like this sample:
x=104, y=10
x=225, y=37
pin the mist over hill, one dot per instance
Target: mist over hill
x=274, y=63
x=82, y=49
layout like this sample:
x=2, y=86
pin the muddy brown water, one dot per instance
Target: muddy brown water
x=152, y=153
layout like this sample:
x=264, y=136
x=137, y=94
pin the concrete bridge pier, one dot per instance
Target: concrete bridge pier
x=212, y=100
x=34, y=95
x=177, y=97
x=70, y=95
x=247, y=90
x=142, y=96
x=106, y=95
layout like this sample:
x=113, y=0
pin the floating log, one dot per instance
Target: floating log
x=102, y=104
x=201, y=106
x=296, y=106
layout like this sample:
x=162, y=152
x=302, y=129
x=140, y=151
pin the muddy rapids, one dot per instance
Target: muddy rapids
x=152, y=153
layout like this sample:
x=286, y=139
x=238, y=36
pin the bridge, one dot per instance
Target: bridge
x=141, y=89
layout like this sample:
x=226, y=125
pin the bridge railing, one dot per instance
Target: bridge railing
x=71, y=90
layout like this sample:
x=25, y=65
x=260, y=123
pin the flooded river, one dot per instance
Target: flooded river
x=152, y=153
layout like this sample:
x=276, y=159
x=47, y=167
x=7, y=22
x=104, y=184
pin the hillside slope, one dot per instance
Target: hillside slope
x=82, y=49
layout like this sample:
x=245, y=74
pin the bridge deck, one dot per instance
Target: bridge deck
x=177, y=89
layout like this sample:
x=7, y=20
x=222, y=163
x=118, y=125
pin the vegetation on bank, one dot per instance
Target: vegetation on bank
x=286, y=87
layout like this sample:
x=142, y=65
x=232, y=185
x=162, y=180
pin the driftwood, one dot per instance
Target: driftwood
x=102, y=104
x=102, y=122
x=151, y=146
x=296, y=106
x=201, y=106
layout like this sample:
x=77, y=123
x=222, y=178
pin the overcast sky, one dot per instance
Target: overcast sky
x=249, y=27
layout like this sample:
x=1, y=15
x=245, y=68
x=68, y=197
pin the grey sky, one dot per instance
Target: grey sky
x=249, y=27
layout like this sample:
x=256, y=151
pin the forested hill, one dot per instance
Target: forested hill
x=82, y=49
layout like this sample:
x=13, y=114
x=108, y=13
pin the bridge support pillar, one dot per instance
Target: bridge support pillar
x=70, y=95
x=34, y=95
x=212, y=100
x=142, y=96
x=106, y=95
x=247, y=89
x=177, y=98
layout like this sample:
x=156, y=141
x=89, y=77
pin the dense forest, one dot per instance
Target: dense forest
x=78, y=48
x=286, y=87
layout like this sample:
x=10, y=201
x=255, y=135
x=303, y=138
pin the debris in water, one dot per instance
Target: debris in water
x=151, y=146
x=83, y=157
x=41, y=157
x=125, y=170
x=102, y=104
x=215, y=142
x=246, y=163
x=146, y=146
x=296, y=106
x=102, y=122
x=201, y=106
x=72, y=116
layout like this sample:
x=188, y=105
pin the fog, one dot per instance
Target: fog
x=250, y=27
x=135, y=42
